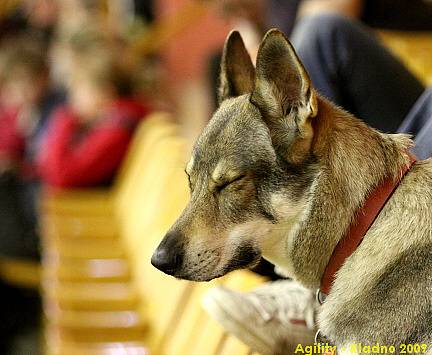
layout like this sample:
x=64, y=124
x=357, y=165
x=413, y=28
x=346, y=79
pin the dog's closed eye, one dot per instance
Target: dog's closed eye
x=222, y=184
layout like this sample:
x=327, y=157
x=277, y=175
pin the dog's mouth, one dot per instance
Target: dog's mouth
x=245, y=256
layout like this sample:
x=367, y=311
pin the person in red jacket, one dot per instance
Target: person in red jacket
x=87, y=139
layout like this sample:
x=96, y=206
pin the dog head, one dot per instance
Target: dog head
x=252, y=167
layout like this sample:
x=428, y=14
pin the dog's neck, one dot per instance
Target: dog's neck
x=353, y=159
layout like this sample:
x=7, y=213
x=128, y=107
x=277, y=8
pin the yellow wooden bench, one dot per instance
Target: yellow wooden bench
x=414, y=49
x=87, y=275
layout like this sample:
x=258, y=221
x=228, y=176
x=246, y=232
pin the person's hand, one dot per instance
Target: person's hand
x=7, y=163
x=251, y=10
x=351, y=8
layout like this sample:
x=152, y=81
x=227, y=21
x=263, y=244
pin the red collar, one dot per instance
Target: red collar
x=366, y=215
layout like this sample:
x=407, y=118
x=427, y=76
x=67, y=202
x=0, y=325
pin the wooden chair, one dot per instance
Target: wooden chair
x=414, y=49
x=87, y=270
x=89, y=300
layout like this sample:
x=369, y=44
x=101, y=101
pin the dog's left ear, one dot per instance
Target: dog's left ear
x=282, y=85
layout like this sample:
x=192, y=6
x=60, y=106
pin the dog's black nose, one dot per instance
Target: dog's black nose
x=164, y=260
x=168, y=255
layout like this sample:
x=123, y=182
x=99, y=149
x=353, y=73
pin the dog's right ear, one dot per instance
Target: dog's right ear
x=282, y=83
x=285, y=97
x=237, y=75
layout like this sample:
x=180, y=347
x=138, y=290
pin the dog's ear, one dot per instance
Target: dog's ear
x=282, y=85
x=237, y=71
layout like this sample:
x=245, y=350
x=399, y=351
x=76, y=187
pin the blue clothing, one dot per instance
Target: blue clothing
x=402, y=15
x=418, y=122
x=48, y=104
x=348, y=65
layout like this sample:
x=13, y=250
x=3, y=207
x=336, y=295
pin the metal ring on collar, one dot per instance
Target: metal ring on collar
x=320, y=296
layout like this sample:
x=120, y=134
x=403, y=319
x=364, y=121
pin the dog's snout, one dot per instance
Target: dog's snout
x=168, y=256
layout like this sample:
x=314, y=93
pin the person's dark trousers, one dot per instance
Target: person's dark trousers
x=348, y=65
x=18, y=230
x=20, y=310
x=20, y=326
x=418, y=123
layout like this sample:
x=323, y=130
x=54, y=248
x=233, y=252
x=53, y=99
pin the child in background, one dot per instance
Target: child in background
x=26, y=101
x=88, y=138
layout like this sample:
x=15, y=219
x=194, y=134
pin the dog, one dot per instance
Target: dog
x=279, y=172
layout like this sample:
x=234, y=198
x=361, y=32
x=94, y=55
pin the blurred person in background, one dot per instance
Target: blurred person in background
x=348, y=65
x=297, y=18
x=101, y=114
x=26, y=103
x=35, y=17
x=46, y=54
x=89, y=136
x=82, y=27
x=404, y=15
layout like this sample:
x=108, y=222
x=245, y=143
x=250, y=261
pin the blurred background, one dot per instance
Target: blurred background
x=100, y=102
